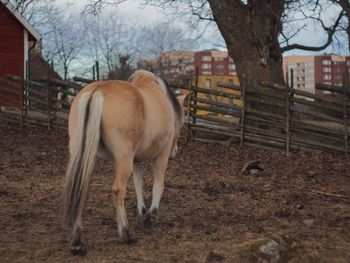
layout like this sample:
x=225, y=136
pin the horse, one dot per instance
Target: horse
x=128, y=122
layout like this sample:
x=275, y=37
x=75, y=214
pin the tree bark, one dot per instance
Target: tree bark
x=251, y=34
x=345, y=4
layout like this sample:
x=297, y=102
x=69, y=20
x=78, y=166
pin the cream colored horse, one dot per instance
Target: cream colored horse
x=129, y=123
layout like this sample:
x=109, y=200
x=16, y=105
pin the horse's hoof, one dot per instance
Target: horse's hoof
x=78, y=250
x=150, y=218
x=128, y=237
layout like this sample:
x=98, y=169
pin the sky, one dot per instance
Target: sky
x=133, y=11
x=312, y=35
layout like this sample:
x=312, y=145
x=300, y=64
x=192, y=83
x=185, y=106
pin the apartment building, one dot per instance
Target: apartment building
x=180, y=66
x=214, y=62
x=311, y=70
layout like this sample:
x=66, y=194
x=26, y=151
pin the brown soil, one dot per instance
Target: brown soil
x=209, y=212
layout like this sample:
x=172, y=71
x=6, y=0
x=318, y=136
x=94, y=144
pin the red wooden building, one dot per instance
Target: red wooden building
x=17, y=38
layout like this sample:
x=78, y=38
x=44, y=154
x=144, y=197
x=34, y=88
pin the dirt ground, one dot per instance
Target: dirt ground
x=210, y=212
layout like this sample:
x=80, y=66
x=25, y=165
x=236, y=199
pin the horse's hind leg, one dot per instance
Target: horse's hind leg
x=159, y=168
x=124, y=167
x=76, y=246
x=138, y=183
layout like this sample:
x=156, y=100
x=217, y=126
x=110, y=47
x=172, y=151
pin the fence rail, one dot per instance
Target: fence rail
x=263, y=114
x=271, y=116
x=36, y=102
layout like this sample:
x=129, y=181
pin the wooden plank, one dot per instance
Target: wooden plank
x=272, y=102
x=216, y=103
x=38, y=93
x=10, y=91
x=320, y=105
x=332, y=88
x=275, y=86
x=217, y=93
x=315, y=128
x=228, y=86
x=26, y=81
x=265, y=114
x=75, y=78
x=10, y=100
x=217, y=120
x=317, y=115
x=214, y=110
x=37, y=100
x=317, y=97
x=211, y=130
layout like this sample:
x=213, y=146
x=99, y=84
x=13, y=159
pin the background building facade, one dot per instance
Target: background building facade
x=179, y=67
x=311, y=70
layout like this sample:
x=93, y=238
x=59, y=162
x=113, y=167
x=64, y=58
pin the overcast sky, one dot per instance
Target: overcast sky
x=133, y=10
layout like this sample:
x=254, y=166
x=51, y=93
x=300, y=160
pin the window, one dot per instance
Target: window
x=219, y=59
x=326, y=77
x=327, y=69
x=206, y=58
x=231, y=66
x=189, y=67
x=220, y=66
x=326, y=62
x=206, y=66
x=206, y=72
x=188, y=60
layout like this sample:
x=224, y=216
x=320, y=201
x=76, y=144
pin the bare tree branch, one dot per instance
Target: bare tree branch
x=330, y=32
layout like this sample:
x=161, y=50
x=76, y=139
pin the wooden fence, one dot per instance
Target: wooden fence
x=271, y=116
x=267, y=115
x=43, y=102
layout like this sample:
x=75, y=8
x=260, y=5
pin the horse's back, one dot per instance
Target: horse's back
x=135, y=120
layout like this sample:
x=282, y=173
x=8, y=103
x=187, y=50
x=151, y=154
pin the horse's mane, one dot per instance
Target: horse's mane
x=164, y=86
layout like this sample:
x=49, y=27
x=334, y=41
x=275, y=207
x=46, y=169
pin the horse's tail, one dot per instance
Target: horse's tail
x=82, y=156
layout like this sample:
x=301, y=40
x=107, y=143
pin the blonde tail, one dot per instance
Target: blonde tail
x=82, y=159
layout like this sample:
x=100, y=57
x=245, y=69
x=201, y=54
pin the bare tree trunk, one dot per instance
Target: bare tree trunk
x=65, y=72
x=345, y=4
x=251, y=34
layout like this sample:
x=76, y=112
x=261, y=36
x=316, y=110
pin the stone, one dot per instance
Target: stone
x=308, y=222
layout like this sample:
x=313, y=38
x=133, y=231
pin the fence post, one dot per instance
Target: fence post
x=188, y=108
x=97, y=67
x=243, y=98
x=188, y=113
x=345, y=86
x=195, y=93
x=21, y=102
x=288, y=120
x=48, y=100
